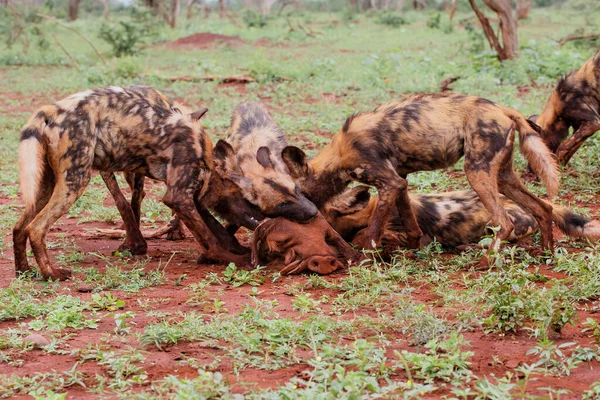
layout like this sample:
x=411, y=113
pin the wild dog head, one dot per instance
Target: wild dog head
x=318, y=188
x=573, y=101
x=274, y=192
x=298, y=246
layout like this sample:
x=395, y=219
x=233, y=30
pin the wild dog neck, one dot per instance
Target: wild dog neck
x=329, y=177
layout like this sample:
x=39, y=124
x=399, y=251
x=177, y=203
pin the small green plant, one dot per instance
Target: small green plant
x=552, y=358
x=443, y=360
x=106, y=301
x=390, y=19
x=124, y=37
x=239, y=277
x=593, y=327
x=217, y=307
x=252, y=19
x=305, y=303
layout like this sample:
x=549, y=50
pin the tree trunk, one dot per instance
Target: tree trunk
x=73, y=9
x=507, y=24
x=450, y=7
x=523, y=7
x=106, y=8
x=222, y=10
x=174, y=12
x=265, y=7
x=399, y=5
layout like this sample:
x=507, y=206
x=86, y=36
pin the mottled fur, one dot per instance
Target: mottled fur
x=251, y=157
x=135, y=129
x=575, y=102
x=453, y=218
x=427, y=132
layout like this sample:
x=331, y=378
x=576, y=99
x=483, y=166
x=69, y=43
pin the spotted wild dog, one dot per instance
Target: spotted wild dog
x=453, y=218
x=299, y=246
x=575, y=102
x=251, y=157
x=134, y=129
x=427, y=132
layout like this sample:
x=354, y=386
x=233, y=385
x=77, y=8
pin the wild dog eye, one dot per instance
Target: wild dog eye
x=283, y=205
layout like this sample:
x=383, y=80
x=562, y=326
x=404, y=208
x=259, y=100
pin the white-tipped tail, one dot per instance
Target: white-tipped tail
x=31, y=168
x=542, y=162
x=575, y=225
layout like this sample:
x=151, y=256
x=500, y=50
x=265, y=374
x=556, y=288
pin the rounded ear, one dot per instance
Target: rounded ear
x=224, y=158
x=263, y=156
x=295, y=160
x=533, y=118
x=196, y=115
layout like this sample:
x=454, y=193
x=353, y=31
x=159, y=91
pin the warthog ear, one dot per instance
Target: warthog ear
x=263, y=156
x=295, y=160
x=196, y=115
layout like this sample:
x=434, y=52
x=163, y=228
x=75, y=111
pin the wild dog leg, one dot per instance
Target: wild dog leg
x=66, y=191
x=486, y=186
x=20, y=232
x=176, y=232
x=179, y=197
x=393, y=192
x=134, y=240
x=570, y=146
x=136, y=183
x=511, y=187
x=227, y=239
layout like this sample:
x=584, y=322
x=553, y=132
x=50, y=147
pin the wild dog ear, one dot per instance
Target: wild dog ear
x=533, y=118
x=263, y=156
x=534, y=126
x=224, y=159
x=295, y=160
x=352, y=200
x=196, y=115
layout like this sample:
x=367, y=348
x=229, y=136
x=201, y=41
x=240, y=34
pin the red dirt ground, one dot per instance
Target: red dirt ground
x=493, y=353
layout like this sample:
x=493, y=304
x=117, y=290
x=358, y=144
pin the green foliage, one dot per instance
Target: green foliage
x=123, y=37
x=443, y=360
x=390, y=19
x=239, y=277
x=252, y=19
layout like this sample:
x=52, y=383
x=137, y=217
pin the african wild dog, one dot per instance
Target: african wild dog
x=251, y=157
x=453, y=218
x=134, y=129
x=575, y=102
x=301, y=246
x=427, y=132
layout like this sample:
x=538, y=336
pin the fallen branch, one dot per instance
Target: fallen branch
x=570, y=38
x=73, y=30
x=121, y=233
x=73, y=62
x=211, y=78
x=445, y=84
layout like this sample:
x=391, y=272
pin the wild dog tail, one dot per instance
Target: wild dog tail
x=32, y=158
x=534, y=149
x=575, y=225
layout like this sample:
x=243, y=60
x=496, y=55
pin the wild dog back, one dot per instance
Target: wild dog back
x=251, y=157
